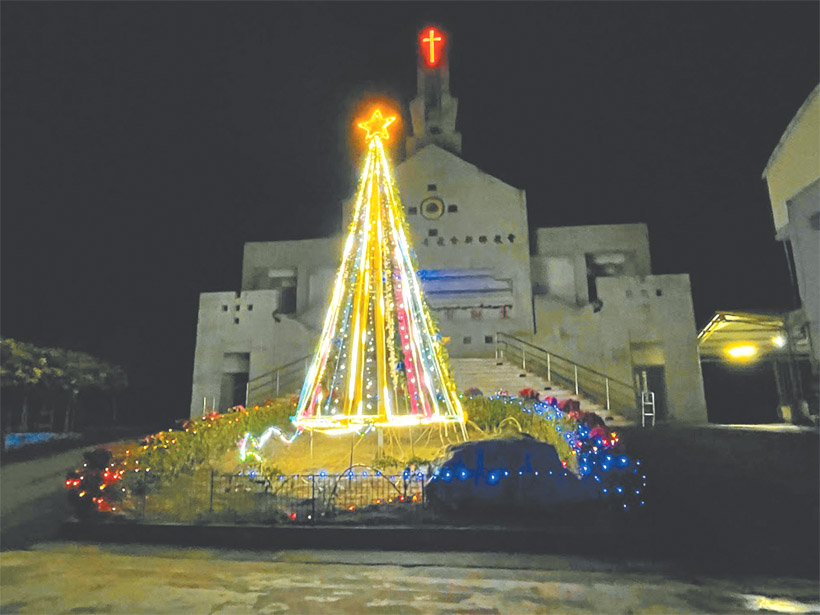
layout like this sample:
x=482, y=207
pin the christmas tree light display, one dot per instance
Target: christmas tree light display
x=379, y=359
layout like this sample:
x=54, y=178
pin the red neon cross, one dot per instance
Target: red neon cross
x=432, y=39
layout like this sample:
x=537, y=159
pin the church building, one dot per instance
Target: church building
x=586, y=297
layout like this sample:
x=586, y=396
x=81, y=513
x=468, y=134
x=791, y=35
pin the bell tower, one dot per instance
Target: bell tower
x=433, y=110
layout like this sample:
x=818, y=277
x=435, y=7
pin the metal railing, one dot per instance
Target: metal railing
x=287, y=378
x=602, y=389
x=647, y=407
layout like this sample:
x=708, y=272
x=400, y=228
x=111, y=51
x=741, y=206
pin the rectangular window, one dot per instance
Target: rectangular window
x=270, y=278
x=250, y=307
x=607, y=265
x=412, y=210
x=452, y=208
x=468, y=340
x=287, y=299
x=433, y=232
x=488, y=339
x=284, y=281
x=431, y=187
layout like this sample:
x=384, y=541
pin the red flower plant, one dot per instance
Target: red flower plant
x=572, y=407
x=597, y=432
x=528, y=393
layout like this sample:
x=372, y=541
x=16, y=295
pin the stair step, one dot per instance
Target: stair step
x=490, y=375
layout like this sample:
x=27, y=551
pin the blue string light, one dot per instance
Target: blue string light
x=590, y=453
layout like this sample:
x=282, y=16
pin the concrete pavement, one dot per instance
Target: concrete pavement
x=72, y=578
x=33, y=501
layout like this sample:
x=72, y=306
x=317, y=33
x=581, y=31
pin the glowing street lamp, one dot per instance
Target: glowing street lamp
x=740, y=353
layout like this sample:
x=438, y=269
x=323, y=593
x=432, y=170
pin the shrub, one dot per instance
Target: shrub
x=487, y=413
x=141, y=467
x=386, y=461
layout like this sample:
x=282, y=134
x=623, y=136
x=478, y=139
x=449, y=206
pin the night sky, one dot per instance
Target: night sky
x=144, y=143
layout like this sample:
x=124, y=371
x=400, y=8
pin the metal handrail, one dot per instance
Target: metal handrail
x=280, y=368
x=553, y=372
x=274, y=379
x=558, y=356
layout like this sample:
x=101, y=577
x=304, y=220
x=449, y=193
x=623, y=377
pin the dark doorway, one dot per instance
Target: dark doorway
x=235, y=369
x=233, y=389
x=740, y=394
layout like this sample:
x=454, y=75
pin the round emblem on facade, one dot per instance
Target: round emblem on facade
x=432, y=208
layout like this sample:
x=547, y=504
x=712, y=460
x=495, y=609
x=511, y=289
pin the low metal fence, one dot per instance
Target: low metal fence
x=356, y=495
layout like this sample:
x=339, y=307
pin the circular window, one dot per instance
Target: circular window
x=432, y=208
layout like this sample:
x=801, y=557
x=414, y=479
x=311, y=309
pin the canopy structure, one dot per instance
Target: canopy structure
x=744, y=336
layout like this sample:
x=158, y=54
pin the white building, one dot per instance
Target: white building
x=587, y=293
x=792, y=176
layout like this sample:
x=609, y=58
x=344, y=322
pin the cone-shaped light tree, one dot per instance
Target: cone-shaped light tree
x=379, y=359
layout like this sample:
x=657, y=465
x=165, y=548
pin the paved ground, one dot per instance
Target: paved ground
x=33, y=501
x=69, y=578
x=54, y=577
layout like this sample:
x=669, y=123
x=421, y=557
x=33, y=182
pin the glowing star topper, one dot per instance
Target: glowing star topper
x=432, y=43
x=377, y=125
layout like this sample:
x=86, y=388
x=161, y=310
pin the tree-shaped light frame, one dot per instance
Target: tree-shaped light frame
x=379, y=359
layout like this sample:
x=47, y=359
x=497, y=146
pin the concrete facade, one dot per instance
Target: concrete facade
x=227, y=342
x=588, y=292
x=804, y=237
x=300, y=272
x=597, y=303
x=792, y=176
x=475, y=254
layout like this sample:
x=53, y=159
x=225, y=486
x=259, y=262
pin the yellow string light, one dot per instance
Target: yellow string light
x=378, y=360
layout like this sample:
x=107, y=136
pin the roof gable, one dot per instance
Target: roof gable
x=786, y=133
x=439, y=157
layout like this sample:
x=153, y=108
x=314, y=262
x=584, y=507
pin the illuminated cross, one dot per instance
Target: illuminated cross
x=377, y=125
x=432, y=39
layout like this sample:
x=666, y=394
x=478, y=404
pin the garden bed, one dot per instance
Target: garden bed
x=520, y=454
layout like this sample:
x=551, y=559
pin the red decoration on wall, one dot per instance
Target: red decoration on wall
x=431, y=42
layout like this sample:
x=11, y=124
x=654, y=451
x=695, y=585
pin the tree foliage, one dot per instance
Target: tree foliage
x=29, y=366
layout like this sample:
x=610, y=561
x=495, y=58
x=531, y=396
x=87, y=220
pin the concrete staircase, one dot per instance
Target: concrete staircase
x=494, y=375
